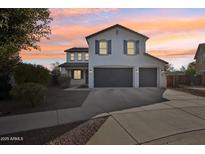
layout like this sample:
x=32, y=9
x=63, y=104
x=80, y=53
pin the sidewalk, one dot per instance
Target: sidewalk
x=178, y=121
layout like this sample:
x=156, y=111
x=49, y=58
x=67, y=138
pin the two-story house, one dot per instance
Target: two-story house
x=117, y=58
x=200, y=59
x=76, y=65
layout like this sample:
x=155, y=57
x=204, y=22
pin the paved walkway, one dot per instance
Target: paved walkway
x=98, y=101
x=178, y=121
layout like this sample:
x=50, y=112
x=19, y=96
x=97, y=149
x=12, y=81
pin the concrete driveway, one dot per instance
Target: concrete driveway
x=105, y=100
x=178, y=121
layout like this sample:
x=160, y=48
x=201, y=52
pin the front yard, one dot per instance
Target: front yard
x=56, y=98
x=73, y=134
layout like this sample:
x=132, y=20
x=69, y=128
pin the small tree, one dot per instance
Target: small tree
x=20, y=29
x=191, y=69
x=55, y=74
x=169, y=68
x=182, y=69
x=55, y=69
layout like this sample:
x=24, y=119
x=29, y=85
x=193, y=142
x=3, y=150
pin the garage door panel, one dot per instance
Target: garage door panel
x=113, y=77
x=148, y=77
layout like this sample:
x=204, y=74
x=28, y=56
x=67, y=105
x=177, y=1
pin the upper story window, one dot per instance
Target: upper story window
x=72, y=56
x=79, y=56
x=86, y=56
x=130, y=47
x=103, y=47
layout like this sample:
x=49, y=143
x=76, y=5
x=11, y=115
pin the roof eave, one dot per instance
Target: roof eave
x=165, y=62
x=197, y=51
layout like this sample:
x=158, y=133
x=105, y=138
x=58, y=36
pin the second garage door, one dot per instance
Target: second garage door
x=113, y=77
x=148, y=77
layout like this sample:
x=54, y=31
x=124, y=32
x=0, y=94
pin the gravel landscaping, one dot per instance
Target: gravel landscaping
x=81, y=134
x=56, y=98
x=72, y=134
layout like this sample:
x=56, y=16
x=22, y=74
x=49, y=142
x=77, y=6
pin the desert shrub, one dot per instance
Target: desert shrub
x=64, y=81
x=24, y=73
x=29, y=93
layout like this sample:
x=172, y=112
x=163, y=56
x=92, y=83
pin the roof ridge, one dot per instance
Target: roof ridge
x=113, y=26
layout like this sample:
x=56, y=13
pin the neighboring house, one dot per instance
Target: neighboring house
x=76, y=66
x=200, y=59
x=117, y=58
x=200, y=62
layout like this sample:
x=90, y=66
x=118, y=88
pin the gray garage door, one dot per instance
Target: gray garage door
x=113, y=77
x=148, y=77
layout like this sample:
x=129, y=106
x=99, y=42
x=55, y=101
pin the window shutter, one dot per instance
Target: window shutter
x=125, y=47
x=82, y=74
x=96, y=47
x=137, y=47
x=109, y=47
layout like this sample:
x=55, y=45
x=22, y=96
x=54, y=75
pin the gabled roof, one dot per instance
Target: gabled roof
x=114, y=26
x=156, y=58
x=74, y=65
x=202, y=45
x=77, y=49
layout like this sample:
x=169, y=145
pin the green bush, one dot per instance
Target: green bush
x=29, y=93
x=24, y=73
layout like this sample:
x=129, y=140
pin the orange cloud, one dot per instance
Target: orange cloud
x=169, y=24
x=79, y=11
x=42, y=56
x=173, y=53
x=169, y=37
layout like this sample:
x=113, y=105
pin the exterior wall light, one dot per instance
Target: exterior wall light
x=90, y=71
x=137, y=70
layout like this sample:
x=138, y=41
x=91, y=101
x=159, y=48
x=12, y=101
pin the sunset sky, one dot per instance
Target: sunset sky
x=174, y=34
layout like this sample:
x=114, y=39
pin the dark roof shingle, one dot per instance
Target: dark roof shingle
x=77, y=49
x=74, y=64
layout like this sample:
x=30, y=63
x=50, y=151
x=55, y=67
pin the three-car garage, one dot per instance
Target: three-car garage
x=123, y=77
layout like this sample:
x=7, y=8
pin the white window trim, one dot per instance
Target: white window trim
x=131, y=48
x=105, y=41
